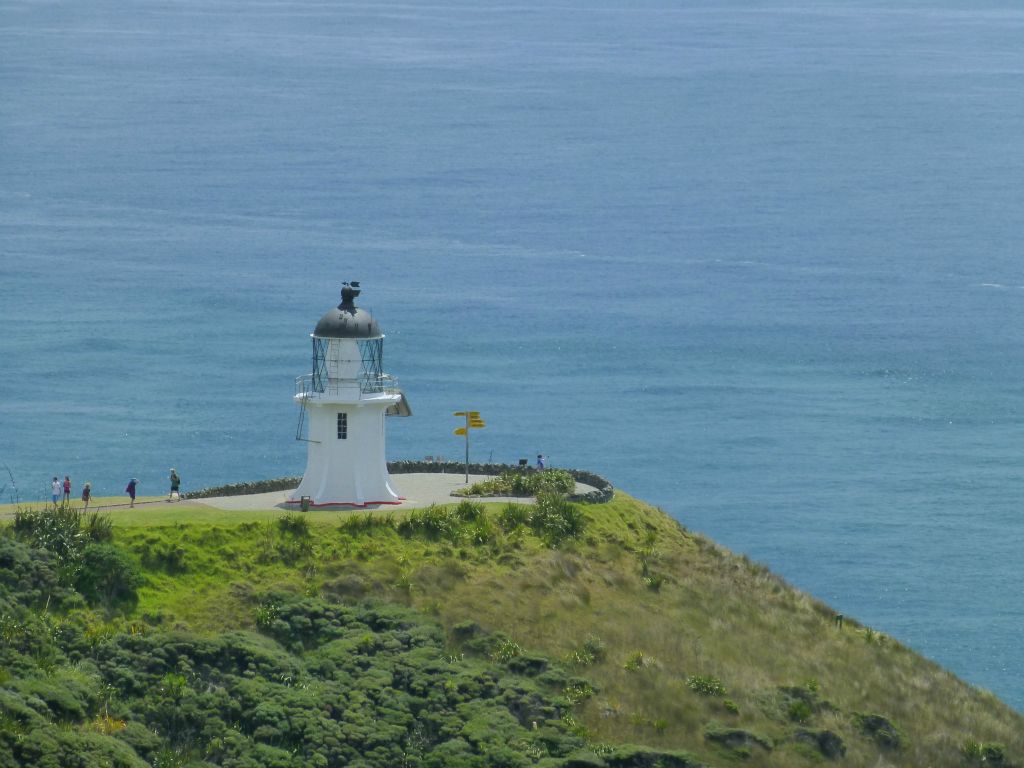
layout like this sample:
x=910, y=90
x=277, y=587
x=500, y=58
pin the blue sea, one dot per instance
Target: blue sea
x=757, y=263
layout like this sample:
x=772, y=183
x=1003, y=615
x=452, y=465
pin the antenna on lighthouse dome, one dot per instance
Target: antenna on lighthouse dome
x=349, y=291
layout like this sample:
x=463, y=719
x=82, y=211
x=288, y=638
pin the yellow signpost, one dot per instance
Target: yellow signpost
x=473, y=421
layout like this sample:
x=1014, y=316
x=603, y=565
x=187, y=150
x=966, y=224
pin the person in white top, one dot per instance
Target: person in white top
x=57, y=489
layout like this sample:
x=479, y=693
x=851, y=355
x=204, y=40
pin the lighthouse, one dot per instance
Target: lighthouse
x=346, y=398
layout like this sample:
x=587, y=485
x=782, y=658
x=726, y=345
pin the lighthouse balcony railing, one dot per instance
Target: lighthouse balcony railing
x=309, y=385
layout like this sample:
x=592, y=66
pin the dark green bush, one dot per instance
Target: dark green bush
x=880, y=728
x=64, y=532
x=107, y=577
x=799, y=711
x=31, y=576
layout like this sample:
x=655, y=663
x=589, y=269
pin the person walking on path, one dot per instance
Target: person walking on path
x=130, y=490
x=540, y=461
x=86, y=496
x=175, y=486
x=55, y=489
x=67, y=489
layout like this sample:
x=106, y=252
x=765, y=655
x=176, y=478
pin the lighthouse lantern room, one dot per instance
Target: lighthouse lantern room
x=346, y=398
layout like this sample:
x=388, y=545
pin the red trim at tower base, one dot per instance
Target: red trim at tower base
x=345, y=503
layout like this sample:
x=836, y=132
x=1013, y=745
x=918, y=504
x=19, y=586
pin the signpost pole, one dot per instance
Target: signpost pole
x=473, y=421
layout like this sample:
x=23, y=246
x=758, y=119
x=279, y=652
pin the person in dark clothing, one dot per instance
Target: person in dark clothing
x=130, y=490
x=175, y=485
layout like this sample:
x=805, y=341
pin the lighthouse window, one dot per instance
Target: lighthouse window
x=343, y=426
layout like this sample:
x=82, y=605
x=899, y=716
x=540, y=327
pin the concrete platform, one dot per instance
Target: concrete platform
x=419, y=490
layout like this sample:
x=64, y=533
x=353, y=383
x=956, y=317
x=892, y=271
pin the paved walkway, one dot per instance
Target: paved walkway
x=419, y=490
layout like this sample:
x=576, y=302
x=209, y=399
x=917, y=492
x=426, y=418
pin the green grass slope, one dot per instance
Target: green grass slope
x=631, y=629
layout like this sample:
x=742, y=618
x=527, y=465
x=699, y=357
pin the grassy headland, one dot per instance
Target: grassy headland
x=650, y=634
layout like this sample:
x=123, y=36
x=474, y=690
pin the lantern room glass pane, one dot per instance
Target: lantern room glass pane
x=319, y=364
x=372, y=374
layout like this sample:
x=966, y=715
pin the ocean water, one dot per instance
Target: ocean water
x=759, y=264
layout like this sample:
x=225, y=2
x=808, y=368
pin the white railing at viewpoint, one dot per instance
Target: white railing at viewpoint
x=368, y=385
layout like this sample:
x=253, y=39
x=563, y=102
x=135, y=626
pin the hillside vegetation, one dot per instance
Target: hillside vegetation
x=471, y=634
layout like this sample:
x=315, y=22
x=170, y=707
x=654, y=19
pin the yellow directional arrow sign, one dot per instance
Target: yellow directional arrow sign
x=473, y=421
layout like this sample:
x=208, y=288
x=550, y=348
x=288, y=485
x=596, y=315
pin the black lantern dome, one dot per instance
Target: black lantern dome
x=347, y=321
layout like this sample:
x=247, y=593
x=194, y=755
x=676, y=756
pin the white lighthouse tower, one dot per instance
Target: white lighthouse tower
x=346, y=398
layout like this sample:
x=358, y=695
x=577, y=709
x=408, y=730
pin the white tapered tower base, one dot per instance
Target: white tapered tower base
x=349, y=471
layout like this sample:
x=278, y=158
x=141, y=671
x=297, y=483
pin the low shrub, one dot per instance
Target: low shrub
x=98, y=527
x=554, y=519
x=514, y=516
x=469, y=511
x=531, y=483
x=880, y=728
x=434, y=523
x=365, y=523
x=636, y=661
x=705, y=685
x=590, y=652
x=294, y=524
x=979, y=753
x=505, y=649
x=799, y=711
x=653, y=581
x=481, y=532
x=578, y=690
x=553, y=481
x=163, y=556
